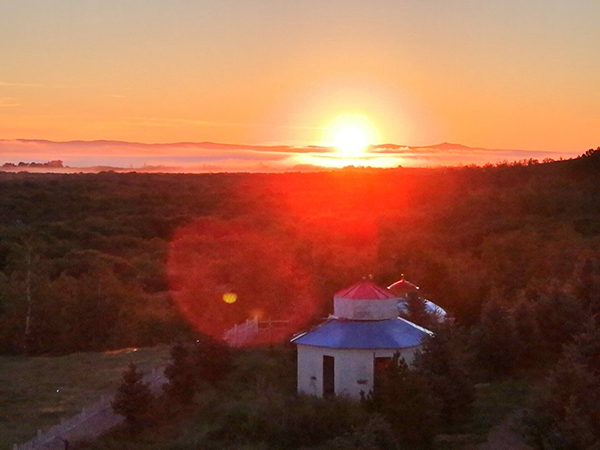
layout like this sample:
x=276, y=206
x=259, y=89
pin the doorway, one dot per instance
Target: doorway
x=328, y=376
x=380, y=366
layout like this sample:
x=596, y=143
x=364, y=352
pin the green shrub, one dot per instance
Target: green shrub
x=285, y=421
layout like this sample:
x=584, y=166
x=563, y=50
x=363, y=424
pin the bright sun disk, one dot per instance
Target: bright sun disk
x=350, y=135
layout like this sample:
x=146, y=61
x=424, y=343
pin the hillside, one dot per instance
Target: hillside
x=127, y=247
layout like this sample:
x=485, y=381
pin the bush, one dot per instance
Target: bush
x=375, y=435
x=285, y=421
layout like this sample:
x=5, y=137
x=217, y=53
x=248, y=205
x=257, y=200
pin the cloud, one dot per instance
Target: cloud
x=212, y=156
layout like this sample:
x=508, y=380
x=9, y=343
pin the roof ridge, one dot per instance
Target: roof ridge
x=365, y=290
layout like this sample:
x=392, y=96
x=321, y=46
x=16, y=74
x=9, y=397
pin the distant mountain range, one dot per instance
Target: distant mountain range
x=223, y=146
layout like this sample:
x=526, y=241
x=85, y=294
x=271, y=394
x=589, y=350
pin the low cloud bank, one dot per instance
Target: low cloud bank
x=202, y=157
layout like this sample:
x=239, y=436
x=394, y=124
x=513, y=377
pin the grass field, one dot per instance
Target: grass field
x=36, y=392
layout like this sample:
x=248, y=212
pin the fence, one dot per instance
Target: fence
x=91, y=422
x=249, y=330
x=240, y=334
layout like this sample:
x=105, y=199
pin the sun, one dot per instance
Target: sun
x=350, y=135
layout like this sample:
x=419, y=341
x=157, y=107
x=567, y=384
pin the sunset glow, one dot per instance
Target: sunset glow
x=346, y=75
x=350, y=135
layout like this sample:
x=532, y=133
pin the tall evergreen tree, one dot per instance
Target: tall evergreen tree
x=416, y=310
x=494, y=340
x=529, y=338
x=442, y=363
x=561, y=316
x=180, y=373
x=133, y=399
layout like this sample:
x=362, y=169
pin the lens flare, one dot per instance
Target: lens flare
x=229, y=297
x=213, y=264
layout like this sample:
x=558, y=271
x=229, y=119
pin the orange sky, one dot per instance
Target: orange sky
x=508, y=74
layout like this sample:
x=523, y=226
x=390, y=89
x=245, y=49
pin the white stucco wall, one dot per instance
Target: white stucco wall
x=365, y=309
x=353, y=369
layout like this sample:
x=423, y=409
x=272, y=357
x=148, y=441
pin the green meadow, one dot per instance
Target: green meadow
x=36, y=392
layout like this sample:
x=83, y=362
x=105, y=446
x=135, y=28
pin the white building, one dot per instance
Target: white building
x=344, y=355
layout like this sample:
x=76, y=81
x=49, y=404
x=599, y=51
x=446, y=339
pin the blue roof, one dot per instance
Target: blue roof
x=430, y=307
x=369, y=334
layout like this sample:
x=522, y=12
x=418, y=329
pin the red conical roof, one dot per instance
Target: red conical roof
x=365, y=290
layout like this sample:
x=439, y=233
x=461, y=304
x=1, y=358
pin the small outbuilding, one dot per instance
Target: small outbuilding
x=345, y=354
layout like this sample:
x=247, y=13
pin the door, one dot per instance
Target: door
x=380, y=365
x=328, y=376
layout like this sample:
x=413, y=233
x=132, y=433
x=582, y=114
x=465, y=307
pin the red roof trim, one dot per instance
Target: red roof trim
x=365, y=290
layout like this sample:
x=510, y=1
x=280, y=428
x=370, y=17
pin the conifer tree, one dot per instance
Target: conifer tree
x=561, y=316
x=133, y=399
x=494, y=340
x=180, y=373
x=405, y=401
x=587, y=285
x=416, y=310
x=211, y=360
x=527, y=331
x=443, y=365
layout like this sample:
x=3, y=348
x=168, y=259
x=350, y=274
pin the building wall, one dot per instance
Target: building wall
x=353, y=369
x=365, y=309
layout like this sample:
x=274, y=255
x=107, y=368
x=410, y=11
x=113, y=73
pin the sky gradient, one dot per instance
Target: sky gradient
x=510, y=74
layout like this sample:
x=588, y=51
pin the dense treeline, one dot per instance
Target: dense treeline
x=83, y=258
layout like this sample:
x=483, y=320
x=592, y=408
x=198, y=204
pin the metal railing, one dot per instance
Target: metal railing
x=244, y=333
x=241, y=334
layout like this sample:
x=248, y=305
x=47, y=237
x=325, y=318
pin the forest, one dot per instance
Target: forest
x=94, y=262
